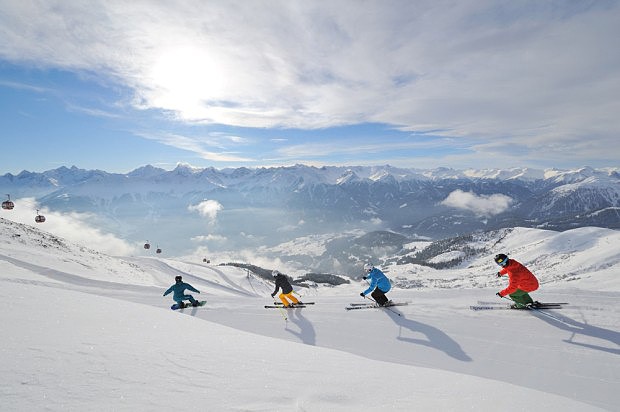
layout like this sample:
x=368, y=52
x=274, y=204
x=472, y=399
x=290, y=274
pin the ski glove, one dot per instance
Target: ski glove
x=364, y=277
x=499, y=275
x=273, y=294
x=499, y=294
x=362, y=294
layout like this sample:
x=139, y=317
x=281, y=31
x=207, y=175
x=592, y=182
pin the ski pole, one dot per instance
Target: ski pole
x=282, y=311
x=383, y=307
x=542, y=312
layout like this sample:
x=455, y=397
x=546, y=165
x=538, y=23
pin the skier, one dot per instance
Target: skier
x=379, y=285
x=521, y=281
x=179, y=292
x=287, y=290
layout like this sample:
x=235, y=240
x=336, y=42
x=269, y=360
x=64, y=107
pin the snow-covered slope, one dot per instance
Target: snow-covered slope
x=82, y=330
x=579, y=256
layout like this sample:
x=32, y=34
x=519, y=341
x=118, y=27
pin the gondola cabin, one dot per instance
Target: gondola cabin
x=8, y=204
x=39, y=218
x=147, y=245
x=158, y=250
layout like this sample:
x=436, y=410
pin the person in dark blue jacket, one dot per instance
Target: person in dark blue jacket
x=179, y=292
x=379, y=285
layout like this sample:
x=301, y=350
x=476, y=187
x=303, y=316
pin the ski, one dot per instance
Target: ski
x=303, y=303
x=488, y=307
x=374, y=304
x=509, y=307
x=484, y=303
x=284, y=307
x=354, y=306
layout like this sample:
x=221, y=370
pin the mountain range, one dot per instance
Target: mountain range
x=210, y=210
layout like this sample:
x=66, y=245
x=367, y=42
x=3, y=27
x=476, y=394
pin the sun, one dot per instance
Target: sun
x=186, y=79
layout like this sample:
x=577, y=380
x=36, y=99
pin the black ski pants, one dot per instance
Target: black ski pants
x=379, y=296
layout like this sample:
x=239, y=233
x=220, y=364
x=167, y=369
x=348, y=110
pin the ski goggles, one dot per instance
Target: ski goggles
x=502, y=262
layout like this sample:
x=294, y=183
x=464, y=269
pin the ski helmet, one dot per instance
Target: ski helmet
x=178, y=279
x=275, y=273
x=501, y=259
x=368, y=267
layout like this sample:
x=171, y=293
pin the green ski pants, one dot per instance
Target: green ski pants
x=521, y=297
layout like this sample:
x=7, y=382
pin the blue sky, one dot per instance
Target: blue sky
x=115, y=85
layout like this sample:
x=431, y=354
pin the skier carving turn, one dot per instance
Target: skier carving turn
x=379, y=285
x=521, y=281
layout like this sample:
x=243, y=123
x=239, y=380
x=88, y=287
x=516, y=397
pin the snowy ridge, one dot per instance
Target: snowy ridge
x=93, y=332
x=579, y=255
x=64, y=176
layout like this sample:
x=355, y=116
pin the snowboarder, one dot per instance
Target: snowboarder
x=179, y=292
x=379, y=285
x=521, y=281
x=287, y=290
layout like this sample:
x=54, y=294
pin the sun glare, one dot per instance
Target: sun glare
x=186, y=78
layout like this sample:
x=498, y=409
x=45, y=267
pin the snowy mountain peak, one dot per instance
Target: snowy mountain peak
x=348, y=176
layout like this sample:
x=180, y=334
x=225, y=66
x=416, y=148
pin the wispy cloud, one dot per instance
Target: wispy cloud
x=196, y=145
x=515, y=72
x=23, y=86
x=93, y=111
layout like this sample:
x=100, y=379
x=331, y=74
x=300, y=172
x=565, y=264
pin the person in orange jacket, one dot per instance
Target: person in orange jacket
x=521, y=281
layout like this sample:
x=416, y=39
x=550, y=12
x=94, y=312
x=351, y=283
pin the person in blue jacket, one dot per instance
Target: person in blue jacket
x=179, y=292
x=379, y=285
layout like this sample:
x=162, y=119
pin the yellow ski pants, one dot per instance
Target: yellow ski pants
x=285, y=296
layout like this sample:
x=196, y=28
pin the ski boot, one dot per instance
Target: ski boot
x=536, y=304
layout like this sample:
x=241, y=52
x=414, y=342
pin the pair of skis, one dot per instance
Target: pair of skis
x=357, y=306
x=499, y=306
x=352, y=306
x=293, y=306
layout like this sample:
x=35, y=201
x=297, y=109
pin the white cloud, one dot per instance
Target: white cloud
x=482, y=205
x=207, y=208
x=73, y=226
x=208, y=238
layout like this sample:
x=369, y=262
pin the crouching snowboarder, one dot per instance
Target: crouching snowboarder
x=287, y=290
x=521, y=281
x=179, y=292
x=379, y=285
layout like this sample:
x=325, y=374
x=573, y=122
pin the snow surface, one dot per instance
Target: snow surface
x=87, y=331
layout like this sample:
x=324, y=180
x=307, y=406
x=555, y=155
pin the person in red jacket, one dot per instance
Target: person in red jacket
x=521, y=281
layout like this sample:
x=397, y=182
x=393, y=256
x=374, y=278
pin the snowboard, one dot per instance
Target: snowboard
x=188, y=305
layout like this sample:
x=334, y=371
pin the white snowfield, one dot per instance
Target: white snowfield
x=86, y=331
